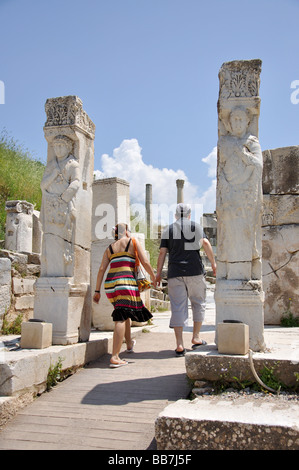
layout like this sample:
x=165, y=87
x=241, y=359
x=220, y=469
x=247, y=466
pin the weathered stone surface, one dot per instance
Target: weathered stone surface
x=22, y=285
x=280, y=271
x=281, y=169
x=239, y=199
x=5, y=287
x=280, y=209
x=24, y=302
x=66, y=219
x=111, y=202
x=36, y=335
x=26, y=370
x=18, y=233
x=218, y=424
x=210, y=365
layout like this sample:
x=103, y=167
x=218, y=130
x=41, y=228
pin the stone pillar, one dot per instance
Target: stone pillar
x=18, y=235
x=180, y=190
x=239, y=293
x=62, y=294
x=148, y=209
x=111, y=205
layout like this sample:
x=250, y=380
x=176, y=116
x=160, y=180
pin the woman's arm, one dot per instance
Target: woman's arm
x=101, y=272
x=145, y=263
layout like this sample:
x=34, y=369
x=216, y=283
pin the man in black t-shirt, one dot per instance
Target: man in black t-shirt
x=182, y=240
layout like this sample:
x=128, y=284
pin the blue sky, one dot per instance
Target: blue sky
x=147, y=73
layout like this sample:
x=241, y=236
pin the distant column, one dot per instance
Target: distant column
x=148, y=209
x=180, y=190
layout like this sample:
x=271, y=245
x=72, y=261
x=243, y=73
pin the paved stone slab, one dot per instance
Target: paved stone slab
x=214, y=423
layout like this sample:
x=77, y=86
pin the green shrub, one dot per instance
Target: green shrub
x=20, y=177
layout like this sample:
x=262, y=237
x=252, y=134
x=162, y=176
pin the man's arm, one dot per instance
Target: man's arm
x=209, y=252
x=160, y=263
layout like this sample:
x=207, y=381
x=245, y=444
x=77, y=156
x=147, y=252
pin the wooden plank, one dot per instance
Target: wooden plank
x=102, y=408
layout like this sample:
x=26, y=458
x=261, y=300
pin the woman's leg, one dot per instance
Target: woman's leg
x=128, y=337
x=118, y=337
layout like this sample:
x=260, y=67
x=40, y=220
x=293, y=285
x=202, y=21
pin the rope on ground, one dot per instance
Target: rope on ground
x=257, y=377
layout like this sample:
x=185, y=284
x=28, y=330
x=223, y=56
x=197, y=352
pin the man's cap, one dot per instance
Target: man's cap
x=183, y=210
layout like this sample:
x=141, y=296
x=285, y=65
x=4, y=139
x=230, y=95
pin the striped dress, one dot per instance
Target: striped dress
x=122, y=290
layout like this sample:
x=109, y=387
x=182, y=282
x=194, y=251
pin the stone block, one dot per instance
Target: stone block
x=36, y=335
x=215, y=424
x=233, y=338
x=280, y=209
x=22, y=286
x=280, y=172
x=24, y=302
x=280, y=271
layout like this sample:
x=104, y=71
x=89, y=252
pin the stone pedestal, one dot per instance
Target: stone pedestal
x=62, y=292
x=239, y=294
x=242, y=301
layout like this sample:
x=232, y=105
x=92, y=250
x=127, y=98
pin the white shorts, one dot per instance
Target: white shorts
x=179, y=290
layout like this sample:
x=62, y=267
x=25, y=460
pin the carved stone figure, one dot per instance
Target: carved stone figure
x=239, y=199
x=62, y=293
x=239, y=293
x=59, y=185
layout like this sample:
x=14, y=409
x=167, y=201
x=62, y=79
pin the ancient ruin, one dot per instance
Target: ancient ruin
x=62, y=292
x=239, y=294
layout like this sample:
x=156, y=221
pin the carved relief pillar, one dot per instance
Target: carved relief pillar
x=18, y=232
x=63, y=290
x=239, y=294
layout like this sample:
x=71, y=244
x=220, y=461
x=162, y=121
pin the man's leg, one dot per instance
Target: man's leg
x=196, y=286
x=179, y=309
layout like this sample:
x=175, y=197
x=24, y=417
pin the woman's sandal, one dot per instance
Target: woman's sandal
x=197, y=345
x=132, y=348
x=115, y=365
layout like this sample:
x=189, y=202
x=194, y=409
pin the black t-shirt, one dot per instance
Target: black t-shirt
x=182, y=239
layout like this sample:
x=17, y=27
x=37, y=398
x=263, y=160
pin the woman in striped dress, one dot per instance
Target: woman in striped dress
x=122, y=290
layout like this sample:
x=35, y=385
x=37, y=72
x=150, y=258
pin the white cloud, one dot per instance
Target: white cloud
x=211, y=160
x=127, y=163
x=209, y=196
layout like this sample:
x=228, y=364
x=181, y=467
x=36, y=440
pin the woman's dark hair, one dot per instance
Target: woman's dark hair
x=120, y=230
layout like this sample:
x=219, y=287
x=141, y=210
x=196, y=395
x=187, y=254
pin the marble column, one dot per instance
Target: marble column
x=239, y=293
x=180, y=190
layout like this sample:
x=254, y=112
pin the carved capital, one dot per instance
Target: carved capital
x=240, y=79
x=68, y=111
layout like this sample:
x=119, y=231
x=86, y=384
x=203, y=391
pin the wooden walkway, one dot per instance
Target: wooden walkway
x=102, y=408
